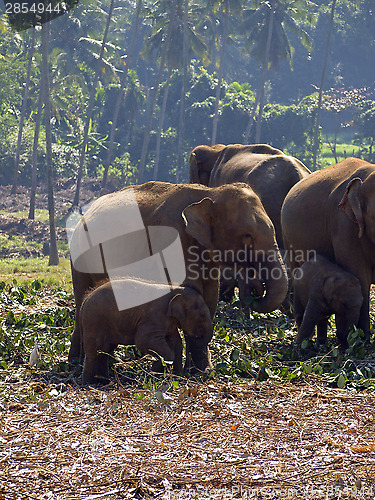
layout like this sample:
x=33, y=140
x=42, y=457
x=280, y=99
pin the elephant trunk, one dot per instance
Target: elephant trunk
x=275, y=279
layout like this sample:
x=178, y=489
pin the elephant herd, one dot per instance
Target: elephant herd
x=251, y=217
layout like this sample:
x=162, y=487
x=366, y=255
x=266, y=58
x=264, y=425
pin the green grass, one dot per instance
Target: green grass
x=344, y=149
x=41, y=214
x=26, y=270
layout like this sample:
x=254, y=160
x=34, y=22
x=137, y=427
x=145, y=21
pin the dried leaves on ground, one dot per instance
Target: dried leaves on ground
x=196, y=441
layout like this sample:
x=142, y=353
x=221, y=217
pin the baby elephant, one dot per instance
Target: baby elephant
x=150, y=326
x=322, y=288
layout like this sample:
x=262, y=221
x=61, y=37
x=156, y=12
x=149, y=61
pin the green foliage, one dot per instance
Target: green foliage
x=258, y=347
x=365, y=120
x=262, y=347
x=289, y=128
x=121, y=173
x=19, y=331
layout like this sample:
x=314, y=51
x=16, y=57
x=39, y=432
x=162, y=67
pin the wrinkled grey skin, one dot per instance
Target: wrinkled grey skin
x=202, y=161
x=333, y=213
x=207, y=219
x=322, y=288
x=269, y=172
x=150, y=327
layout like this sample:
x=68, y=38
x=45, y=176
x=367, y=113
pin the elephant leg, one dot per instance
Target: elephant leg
x=364, y=317
x=89, y=368
x=342, y=330
x=175, y=343
x=147, y=340
x=81, y=283
x=322, y=328
x=354, y=263
x=197, y=352
x=102, y=370
x=310, y=319
x=197, y=355
x=298, y=310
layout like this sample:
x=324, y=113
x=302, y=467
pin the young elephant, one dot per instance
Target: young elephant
x=150, y=326
x=322, y=288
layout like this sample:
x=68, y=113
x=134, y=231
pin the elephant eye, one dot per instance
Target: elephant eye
x=247, y=239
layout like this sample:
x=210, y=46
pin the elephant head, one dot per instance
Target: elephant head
x=202, y=161
x=233, y=225
x=191, y=314
x=358, y=203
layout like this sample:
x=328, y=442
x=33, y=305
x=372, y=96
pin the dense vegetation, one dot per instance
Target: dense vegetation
x=169, y=75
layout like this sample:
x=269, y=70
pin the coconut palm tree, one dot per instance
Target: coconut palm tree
x=223, y=8
x=320, y=98
x=266, y=26
x=120, y=94
x=53, y=253
x=23, y=112
x=90, y=107
x=172, y=29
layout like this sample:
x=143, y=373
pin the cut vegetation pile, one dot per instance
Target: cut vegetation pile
x=199, y=441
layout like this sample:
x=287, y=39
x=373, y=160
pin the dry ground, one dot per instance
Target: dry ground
x=199, y=441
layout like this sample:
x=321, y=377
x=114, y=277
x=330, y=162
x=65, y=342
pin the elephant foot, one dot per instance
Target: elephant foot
x=203, y=368
x=320, y=345
x=75, y=354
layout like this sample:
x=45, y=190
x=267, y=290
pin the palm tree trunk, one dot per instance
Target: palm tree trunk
x=146, y=139
x=263, y=79
x=120, y=95
x=90, y=109
x=23, y=113
x=161, y=122
x=53, y=254
x=35, y=155
x=320, y=98
x=220, y=76
x=181, y=125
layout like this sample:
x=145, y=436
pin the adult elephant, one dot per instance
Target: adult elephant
x=226, y=224
x=202, y=160
x=332, y=213
x=269, y=172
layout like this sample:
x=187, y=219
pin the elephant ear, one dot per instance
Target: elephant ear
x=194, y=170
x=351, y=204
x=328, y=289
x=198, y=221
x=176, y=309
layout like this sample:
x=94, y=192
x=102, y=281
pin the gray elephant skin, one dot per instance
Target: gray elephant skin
x=322, y=288
x=150, y=327
x=332, y=212
x=267, y=170
x=213, y=224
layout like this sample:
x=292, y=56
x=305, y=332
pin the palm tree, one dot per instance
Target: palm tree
x=167, y=41
x=225, y=7
x=181, y=121
x=23, y=112
x=90, y=108
x=35, y=155
x=120, y=94
x=266, y=25
x=53, y=254
x=320, y=98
